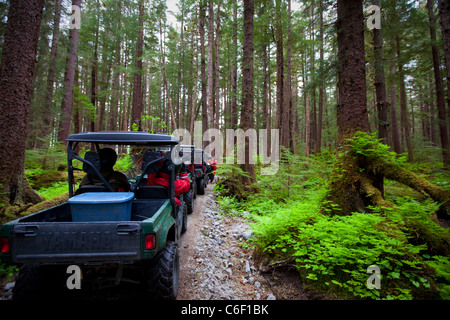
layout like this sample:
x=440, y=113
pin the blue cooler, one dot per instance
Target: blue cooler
x=101, y=206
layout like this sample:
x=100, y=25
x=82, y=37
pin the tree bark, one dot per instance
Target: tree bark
x=47, y=127
x=321, y=80
x=346, y=188
x=69, y=79
x=404, y=118
x=114, y=106
x=247, y=86
x=210, y=65
x=94, y=80
x=440, y=98
x=136, y=112
x=280, y=66
x=202, y=17
x=444, y=13
x=16, y=85
x=217, y=70
x=286, y=110
x=234, y=116
x=380, y=87
x=394, y=123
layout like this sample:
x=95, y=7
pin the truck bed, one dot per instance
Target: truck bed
x=140, y=210
x=50, y=236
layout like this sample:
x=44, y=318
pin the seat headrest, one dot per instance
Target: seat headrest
x=93, y=158
x=148, y=157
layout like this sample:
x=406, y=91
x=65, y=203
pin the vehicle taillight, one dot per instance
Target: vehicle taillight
x=4, y=245
x=150, y=241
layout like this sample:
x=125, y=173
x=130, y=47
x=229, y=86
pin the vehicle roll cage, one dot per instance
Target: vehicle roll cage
x=131, y=138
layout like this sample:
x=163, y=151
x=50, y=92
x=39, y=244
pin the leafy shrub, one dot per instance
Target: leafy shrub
x=441, y=265
x=124, y=163
x=54, y=190
x=7, y=271
x=332, y=253
x=336, y=251
x=230, y=181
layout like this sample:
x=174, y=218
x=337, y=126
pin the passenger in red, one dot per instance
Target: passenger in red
x=182, y=183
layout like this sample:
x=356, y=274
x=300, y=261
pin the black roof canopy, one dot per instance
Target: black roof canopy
x=124, y=137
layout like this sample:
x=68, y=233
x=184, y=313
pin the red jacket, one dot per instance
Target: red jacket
x=182, y=184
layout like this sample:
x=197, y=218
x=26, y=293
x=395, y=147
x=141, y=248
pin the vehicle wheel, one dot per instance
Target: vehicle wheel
x=201, y=186
x=184, y=223
x=162, y=282
x=39, y=283
x=180, y=219
x=189, y=200
x=194, y=189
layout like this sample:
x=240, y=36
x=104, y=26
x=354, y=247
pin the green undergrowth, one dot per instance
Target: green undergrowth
x=333, y=253
x=53, y=182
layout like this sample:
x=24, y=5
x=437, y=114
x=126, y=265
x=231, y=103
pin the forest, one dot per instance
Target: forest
x=357, y=92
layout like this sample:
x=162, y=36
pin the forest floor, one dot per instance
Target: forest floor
x=216, y=263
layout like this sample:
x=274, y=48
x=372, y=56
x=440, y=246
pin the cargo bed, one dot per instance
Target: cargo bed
x=50, y=236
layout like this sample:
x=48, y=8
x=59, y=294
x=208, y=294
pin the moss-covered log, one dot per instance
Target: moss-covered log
x=412, y=180
x=8, y=213
x=357, y=178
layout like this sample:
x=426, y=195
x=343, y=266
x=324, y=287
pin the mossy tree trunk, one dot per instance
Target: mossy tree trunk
x=357, y=179
x=347, y=181
x=16, y=86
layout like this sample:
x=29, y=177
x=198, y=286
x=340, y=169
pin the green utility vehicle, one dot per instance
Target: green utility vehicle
x=200, y=171
x=187, y=152
x=112, y=237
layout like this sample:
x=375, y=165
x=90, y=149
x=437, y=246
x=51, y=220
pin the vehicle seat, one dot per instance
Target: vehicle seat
x=149, y=191
x=93, y=158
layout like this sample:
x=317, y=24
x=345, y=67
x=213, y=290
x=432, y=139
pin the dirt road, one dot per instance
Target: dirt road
x=214, y=262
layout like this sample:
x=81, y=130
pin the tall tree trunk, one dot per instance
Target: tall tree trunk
x=210, y=65
x=321, y=80
x=247, y=86
x=136, y=112
x=403, y=103
x=307, y=126
x=440, y=99
x=69, y=76
x=432, y=113
x=234, y=117
x=352, y=109
x=94, y=78
x=444, y=13
x=265, y=59
x=380, y=87
x=114, y=105
x=286, y=110
x=202, y=15
x=355, y=181
x=279, y=64
x=217, y=70
x=426, y=113
x=16, y=85
x=394, y=123
x=193, y=100
x=47, y=125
